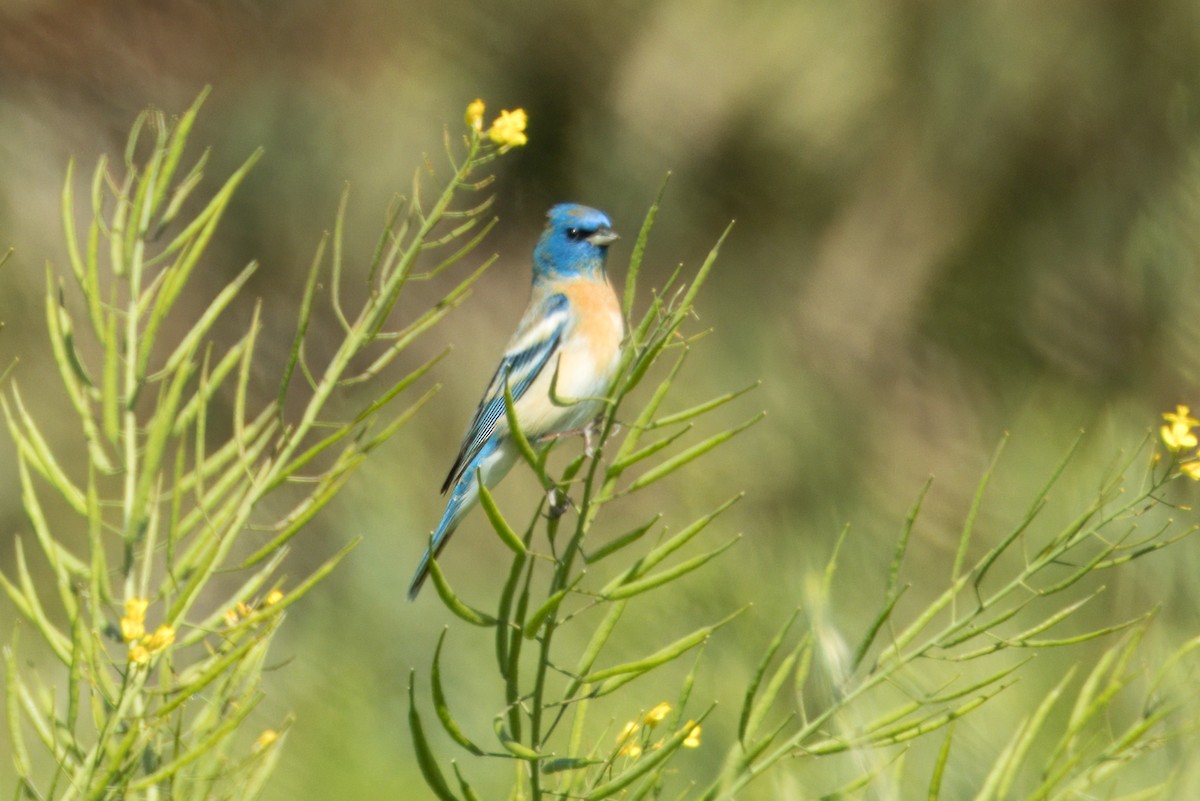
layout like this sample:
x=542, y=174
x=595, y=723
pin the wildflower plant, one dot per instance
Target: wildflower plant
x=165, y=547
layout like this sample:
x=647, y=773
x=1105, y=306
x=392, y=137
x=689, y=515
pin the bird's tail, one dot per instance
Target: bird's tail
x=441, y=535
x=489, y=465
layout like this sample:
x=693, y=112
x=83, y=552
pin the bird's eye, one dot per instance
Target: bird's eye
x=575, y=234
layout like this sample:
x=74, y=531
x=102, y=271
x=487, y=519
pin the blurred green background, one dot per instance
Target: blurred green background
x=953, y=220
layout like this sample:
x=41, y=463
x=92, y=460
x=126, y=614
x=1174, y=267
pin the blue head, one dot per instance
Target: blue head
x=573, y=245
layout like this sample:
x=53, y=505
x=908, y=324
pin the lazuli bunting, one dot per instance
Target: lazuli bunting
x=558, y=364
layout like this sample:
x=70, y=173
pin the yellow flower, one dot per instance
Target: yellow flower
x=265, y=739
x=629, y=746
x=509, y=128
x=693, y=738
x=160, y=639
x=1191, y=470
x=1182, y=414
x=274, y=597
x=243, y=610
x=231, y=617
x=1177, y=435
x=133, y=624
x=657, y=715
x=141, y=651
x=474, y=116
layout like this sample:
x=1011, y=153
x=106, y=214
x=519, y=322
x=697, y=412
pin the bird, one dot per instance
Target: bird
x=558, y=364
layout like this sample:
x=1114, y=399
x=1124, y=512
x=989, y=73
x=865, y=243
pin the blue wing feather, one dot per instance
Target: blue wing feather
x=520, y=368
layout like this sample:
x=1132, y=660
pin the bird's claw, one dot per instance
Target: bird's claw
x=559, y=502
x=591, y=436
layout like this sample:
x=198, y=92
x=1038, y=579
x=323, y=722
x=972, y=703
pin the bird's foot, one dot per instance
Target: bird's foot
x=559, y=502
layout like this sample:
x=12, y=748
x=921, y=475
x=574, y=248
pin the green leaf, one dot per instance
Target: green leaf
x=441, y=707
x=639, y=249
x=496, y=518
x=504, y=608
x=1023, y=740
x=27, y=601
x=174, y=149
x=643, y=361
x=665, y=549
x=548, y=608
x=522, y=442
x=632, y=588
x=939, y=766
x=592, y=651
x=16, y=737
x=196, y=749
x=660, y=657
x=691, y=454
x=303, y=319
x=618, y=543
x=964, y=539
x=468, y=793
x=744, y=728
x=308, y=508
x=32, y=447
x=460, y=609
x=363, y=417
x=984, y=564
x=568, y=763
x=702, y=408
x=426, y=760
x=192, y=340
x=510, y=743
x=689, y=297
x=85, y=273
x=619, y=466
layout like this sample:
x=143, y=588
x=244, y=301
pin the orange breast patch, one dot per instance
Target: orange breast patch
x=599, y=321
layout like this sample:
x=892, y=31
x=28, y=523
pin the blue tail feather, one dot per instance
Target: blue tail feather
x=441, y=534
x=461, y=500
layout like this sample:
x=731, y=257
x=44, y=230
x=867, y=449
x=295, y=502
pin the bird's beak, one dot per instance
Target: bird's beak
x=603, y=236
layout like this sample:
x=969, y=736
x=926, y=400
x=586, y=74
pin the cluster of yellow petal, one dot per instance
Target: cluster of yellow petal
x=631, y=744
x=657, y=715
x=243, y=610
x=508, y=130
x=475, y=114
x=265, y=739
x=133, y=622
x=141, y=651
x=1178, y=436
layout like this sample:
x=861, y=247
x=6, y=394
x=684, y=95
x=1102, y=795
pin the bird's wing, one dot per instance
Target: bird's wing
x=532, y=347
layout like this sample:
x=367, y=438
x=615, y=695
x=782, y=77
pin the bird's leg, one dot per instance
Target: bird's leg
x=590, y=432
